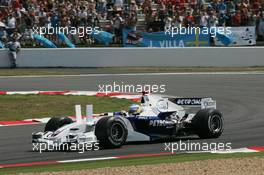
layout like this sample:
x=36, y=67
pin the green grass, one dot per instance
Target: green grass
x=78, y=71
x=127, y=162
x=13, y=107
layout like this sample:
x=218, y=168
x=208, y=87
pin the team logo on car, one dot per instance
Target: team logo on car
x=188, y=101
x=157, y=123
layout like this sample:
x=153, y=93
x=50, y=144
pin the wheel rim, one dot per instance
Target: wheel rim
x=216, y=123
x=117, y=132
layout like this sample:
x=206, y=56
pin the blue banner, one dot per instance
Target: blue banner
x=44, y=41
x=63, y=38
x=160, y=39
x=2, y=45
x=103, y=37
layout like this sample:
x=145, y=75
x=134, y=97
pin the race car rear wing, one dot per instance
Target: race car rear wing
x=203, y=103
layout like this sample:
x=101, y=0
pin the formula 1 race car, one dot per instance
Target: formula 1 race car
x=155, y=118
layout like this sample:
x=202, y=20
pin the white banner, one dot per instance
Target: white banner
x=240, y=36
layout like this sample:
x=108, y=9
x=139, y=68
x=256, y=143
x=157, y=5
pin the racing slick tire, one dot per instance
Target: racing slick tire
x=208, y=123
x=111, y=132
x=57, y=122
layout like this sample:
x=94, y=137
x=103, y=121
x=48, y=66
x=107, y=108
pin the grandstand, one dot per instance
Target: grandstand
x=19, y=17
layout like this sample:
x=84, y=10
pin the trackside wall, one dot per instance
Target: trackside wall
x=112, y=57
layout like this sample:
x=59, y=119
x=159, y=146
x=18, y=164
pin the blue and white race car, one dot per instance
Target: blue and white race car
x=155, y=118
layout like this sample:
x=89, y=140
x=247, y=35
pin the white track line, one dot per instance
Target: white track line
x=238, y=150
x=140, y=74
x=22, y=92
x=85, y=160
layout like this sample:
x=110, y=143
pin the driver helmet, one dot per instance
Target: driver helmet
x=134, y=109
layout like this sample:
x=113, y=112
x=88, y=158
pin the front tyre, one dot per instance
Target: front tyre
x=208, y=123
x=57, y=122
x=111, y=132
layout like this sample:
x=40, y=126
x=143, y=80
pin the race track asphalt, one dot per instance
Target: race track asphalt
x=239, y=97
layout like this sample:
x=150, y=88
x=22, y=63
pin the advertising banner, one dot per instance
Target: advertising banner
x=240, y=36
x=160, y=39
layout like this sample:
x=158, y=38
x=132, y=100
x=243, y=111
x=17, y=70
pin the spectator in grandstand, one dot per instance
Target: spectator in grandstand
x=230, y=7
x=11, y=24
x=221, y=8
x=5, y=2
x=200, y=4
x=2, y=30
x=168, y=23
x=260, y=25
x=222, y=19
x=189, y=20
x=133, y=7
x=55, y=21
x=118, y=4
x=193, y=4
x=42, y=17
x=177, y=20
x=101, y=7
x=147, y=7
x=203, y=19
x=15, y=36
x=256, y=6
x=82, y=15
x=117, y=23
x=212, y=20
x=161, y=11
x=131, y=21
x=236, y=19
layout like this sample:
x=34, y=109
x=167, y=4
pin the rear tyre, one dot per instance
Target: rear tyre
x=208, y=123
x=57, y=122
x=111, y=132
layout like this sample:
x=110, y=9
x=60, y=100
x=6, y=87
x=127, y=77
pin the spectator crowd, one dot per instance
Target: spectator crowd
x=19, y=17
